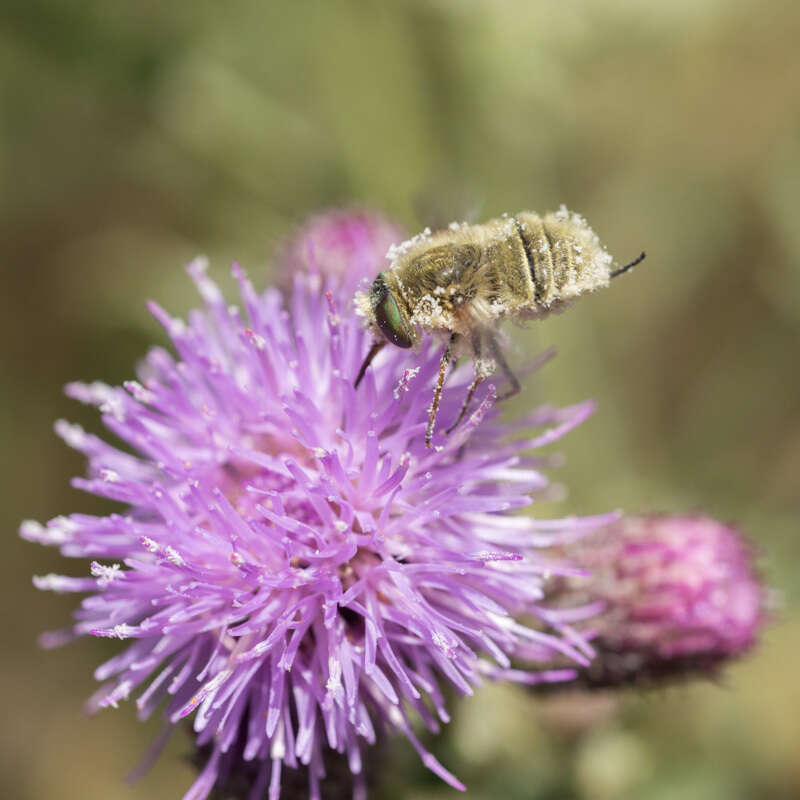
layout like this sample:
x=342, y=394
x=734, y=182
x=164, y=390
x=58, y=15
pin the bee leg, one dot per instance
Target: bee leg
x=437, y=394
x=476, y=381
x=373, y=351
x=497, y=354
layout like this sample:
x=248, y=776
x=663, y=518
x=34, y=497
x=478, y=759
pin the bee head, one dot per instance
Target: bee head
x=388, y=315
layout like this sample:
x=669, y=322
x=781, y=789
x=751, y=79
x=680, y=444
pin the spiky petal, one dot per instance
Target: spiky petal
x=291, y=566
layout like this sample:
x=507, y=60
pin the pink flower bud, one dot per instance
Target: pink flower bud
x=681, y=597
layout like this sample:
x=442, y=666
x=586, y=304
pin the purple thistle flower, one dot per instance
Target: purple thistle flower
x=681, y=598
x=341, y=245
x=293, y=569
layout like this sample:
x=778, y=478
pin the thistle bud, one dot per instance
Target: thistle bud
x=342, y=246
x=680, y=597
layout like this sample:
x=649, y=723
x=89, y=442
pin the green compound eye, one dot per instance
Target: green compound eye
x=390, y=320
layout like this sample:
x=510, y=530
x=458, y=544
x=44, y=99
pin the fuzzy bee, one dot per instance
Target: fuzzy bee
x=463, y=281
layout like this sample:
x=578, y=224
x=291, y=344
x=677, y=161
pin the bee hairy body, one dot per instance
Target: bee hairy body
x=463, y=281
x=523, y=266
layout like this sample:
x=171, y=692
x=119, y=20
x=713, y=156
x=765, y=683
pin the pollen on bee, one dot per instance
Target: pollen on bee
x=464, y=280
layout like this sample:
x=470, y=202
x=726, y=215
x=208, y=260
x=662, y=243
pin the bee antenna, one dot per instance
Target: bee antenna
x=628, y=266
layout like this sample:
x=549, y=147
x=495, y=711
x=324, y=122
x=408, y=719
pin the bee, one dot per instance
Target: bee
x=465, y=280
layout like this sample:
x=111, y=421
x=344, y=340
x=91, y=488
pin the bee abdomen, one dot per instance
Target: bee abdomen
x=565, y=256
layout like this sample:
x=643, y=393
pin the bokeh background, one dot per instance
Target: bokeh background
x=135, y=135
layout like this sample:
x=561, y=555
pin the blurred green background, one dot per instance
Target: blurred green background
x=135, y=135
